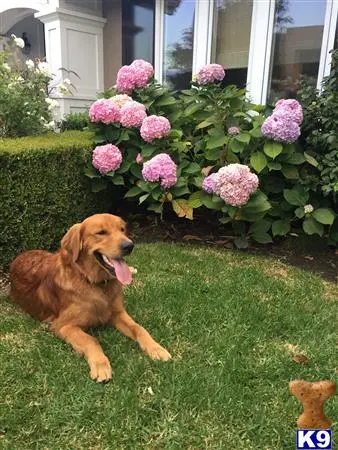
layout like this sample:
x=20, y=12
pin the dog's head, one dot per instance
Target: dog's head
x=100, y=239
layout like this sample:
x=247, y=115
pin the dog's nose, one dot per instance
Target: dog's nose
x=127, y=247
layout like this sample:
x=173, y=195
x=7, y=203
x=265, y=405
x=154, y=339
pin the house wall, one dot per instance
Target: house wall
x=112, y=40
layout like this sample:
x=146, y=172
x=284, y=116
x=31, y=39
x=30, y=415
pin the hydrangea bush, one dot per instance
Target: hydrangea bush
x=206, y=148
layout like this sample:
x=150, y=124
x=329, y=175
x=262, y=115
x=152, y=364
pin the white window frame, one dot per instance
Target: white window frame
x=261, y=43
x=329, y=33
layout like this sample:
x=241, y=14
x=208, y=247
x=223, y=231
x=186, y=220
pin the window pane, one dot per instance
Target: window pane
x=231, y=38
x=178, y=42
x=137, y=30
x=298, y=33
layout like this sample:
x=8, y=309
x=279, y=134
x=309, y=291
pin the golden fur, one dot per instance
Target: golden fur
x=72, y=291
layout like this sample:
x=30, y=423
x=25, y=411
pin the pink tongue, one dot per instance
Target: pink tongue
x=122, y=271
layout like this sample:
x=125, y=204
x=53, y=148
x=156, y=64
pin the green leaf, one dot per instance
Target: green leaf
x=211, y=201
x=147, y=151
x=243, y=137
x=262, y=238
x=176, y=134
x=324, y=215
x=99, y=185
x=191, y=109
x=118, y=180
x=216, y=141
x=241, y=242
x=295, y=158
x=133, y=192
x=158, y=208
x=272, y=149
x=90, y=172
x=261, y=226
x=195, y=200
x=280, y=227
x=99, y=139
x=258, y=161
x=225, y=220
x=290, y=172
x=311, y=160
x=143, y=198
x=274, y=165
x=144, y=186
x=203, y=124
x=311, y=226
x=179, y=191
x=193, y=168
x=296, y=196
x=236, y=146
x=214, y=154
x=165, y=100
x=125, y=166
x=256, y=132
x=136, y=170
x=299, y=212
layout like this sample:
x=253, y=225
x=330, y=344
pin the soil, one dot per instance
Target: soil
x=307, y=252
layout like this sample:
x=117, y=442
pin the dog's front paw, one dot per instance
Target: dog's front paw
x=100, y=370
x=156, y=351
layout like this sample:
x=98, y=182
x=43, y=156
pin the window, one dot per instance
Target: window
x=178, y=38
x=231, y=38
x=138, y=30
x=298, y=33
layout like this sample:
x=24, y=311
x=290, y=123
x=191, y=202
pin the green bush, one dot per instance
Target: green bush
x=200, y=143
x=43, y=190
x=319, y=133
x=75, y=121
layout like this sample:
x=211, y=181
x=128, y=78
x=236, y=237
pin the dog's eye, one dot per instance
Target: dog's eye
x=102, y=232
x=123, y=229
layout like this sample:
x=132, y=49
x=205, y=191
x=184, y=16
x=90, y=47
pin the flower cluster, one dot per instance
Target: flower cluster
x=233, y=183
x=210, y=73
x=160, y=168
x=137, y=75
x=105, y=111
x=106, y=158
x=233, y=131
x=121, y=99
x=284, y=123
x=154, y=127
x=132, y=114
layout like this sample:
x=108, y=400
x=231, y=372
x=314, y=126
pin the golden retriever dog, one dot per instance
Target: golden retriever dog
x=80, y=287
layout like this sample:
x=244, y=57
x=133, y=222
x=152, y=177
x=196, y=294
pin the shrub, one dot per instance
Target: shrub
x=25, y=87
x=320, y=135
x=43, y=190
x=204, y=129
x=75, y=121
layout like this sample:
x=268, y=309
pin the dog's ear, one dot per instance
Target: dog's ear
x=71, y=241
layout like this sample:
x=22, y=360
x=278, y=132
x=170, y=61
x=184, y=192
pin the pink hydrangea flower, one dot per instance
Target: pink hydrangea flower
x=154, y=127
x=233, y=131
x=210, y=73
x=132, y=114
x=105, y=111
x=146, y=66
x=235, y=184
x=208, y=184
x=281, y=129
x=160, y=168
x=290, y=109
x=121, y=99
x=139, y=158
x=131, y=77
x=106, y=158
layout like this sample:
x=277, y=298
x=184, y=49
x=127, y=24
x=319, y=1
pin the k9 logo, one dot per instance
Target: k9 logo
x=314, y=439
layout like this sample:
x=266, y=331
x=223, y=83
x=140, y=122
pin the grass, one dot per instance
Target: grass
x=232, y=323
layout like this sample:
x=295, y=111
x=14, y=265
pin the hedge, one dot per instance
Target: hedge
x=43, y=190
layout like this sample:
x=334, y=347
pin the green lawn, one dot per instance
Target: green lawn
x=232, y=323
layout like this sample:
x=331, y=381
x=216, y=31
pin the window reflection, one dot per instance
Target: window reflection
x=178, y=42
x=298, y=34
x=231, y=39
x=138, y=30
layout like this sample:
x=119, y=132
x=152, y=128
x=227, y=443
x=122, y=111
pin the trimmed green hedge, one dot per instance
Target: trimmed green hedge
x=43, y=190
